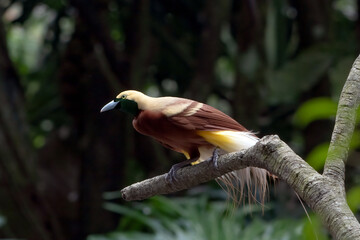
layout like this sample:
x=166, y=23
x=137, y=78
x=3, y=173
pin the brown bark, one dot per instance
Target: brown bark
x=28, y=213
x=202, y=84
x=139, y=43
x=313, y=20
x=245, y=28
x=94, y=17
x=95, y=141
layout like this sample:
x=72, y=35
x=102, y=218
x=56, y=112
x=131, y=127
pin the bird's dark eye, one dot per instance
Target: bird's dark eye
x=121, y=97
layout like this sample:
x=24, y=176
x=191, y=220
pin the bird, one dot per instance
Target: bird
x=198, y=131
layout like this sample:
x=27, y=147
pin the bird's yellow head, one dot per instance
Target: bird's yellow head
x=126, y=101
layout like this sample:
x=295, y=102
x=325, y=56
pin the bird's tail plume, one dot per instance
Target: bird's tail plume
x=250, y=181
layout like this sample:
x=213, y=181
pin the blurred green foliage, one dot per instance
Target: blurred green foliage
x=353, y=198
x=36, y=62
x=317, y=156
x=315, y=109
x=313, y=229
x=297, y=76
x=199, y=219
x=269, y=73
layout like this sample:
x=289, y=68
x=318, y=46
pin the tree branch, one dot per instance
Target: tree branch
x=274, y=155
x=269, y=153
x=325, y=194
x=186, y=177
x=344, y=126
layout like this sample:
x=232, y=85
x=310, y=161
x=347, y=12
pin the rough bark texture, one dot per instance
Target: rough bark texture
x=325, y=194
x=344, y=126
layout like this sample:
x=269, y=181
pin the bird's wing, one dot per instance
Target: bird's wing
x=198, y=116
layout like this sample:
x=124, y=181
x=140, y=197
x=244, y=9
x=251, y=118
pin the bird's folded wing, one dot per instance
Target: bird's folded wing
x=198, y=116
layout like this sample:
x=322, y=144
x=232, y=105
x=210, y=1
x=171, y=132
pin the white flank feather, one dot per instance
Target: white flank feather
x=251, y=178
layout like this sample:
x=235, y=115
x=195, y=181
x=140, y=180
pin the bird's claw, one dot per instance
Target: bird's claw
x=214, y=158
x=171, y=175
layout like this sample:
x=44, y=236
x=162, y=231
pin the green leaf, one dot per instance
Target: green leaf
x=315, y=109
x=314, y=229
x=196, y=218
x=353, y=199
x=275, y=34
x=316, y=158
x=355, y=140
x=136, y=215
x=112, y=195
x=296, y=76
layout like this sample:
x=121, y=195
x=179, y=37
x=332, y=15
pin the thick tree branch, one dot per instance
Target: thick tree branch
x=274, y=155
x=269, y=153
x=325, y=193
x=344, y=126
x=186, y=177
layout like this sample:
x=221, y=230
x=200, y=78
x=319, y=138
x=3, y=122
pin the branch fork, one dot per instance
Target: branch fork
x=324, y=193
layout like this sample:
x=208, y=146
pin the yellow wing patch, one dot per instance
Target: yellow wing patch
x=187, y=155
x=230, y=141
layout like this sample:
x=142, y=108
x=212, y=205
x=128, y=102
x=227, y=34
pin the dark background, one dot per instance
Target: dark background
x=276, y=66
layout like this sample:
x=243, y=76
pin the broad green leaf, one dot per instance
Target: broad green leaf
x=112, y=195
x=286, y=84
x=316, y=158
x=355, y=140
x=315, y=109
x=275, y=34
x=225, y=71
x=313, y=229
x=353, y=199
x=199, y=218
x=146, y=220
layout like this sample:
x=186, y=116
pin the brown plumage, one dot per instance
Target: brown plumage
x=194, y=129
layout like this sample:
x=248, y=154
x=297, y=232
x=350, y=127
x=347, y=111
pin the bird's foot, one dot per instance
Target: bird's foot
x=214, y=158
x=171, y=175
